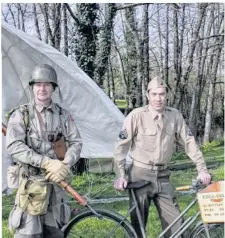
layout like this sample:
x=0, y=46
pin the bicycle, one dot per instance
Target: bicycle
x=106, y=223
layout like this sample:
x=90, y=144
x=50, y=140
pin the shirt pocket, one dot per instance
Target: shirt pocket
x=149, y=139
x=169, y=140
x=169, y=130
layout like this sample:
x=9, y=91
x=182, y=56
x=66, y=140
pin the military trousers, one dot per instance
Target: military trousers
x=48, y=232
x=161, y=192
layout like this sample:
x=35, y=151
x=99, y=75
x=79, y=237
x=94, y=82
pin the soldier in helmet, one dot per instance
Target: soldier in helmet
x=33, y=130
x=150, y=134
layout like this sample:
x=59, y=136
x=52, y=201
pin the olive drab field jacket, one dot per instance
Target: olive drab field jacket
x=29, y=143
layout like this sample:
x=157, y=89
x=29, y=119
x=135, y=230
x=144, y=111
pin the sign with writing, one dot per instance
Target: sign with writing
x=211, y=203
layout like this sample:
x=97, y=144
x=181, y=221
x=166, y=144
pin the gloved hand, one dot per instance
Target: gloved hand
x=56, y=170
x=55, y=178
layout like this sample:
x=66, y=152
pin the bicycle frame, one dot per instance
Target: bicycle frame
x=186, y=224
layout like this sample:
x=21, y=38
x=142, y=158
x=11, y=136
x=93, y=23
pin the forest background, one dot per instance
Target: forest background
x=123, y=46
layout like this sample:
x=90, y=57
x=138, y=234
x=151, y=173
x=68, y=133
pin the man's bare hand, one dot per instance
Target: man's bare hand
x=120, y=183
x=205, y=177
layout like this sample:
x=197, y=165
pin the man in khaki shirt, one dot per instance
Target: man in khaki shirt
x=150, y=134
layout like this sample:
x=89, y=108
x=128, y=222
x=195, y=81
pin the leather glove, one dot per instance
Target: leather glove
x=56, y=178
x=55, y=169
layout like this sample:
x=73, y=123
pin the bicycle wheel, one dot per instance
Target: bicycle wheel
x=215, y=231
x=88, y=225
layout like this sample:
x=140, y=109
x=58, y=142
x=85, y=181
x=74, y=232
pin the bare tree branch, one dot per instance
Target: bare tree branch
x=131, y=5
x=72, y=14
x=12, y=14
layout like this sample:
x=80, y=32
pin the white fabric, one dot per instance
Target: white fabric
x=98, y=119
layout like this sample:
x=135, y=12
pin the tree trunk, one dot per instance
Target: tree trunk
x=57, y=26
x=176, y=52
x=166, y=68
x=160, y=42
x=18, y=16
x=105, y=43
x=36, y=21
x=108, y=83
x=48, y=32
x=131, y=23
x=212, y=81
x=85, y=36
x=20, y=12
x=65, y=31
x=145, y=79
x=194, y=118
x=112, y=96
x=189, y=64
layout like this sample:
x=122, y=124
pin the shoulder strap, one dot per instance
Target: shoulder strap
x=60, y=109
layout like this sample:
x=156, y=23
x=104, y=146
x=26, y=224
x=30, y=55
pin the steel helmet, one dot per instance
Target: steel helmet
x=44, y=73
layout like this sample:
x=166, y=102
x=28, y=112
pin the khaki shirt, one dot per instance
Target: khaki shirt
x=30, y=145
x=151, y=141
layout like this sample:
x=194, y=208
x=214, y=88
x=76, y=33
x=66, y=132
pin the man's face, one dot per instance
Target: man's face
x=42, y=92
x=157, y=98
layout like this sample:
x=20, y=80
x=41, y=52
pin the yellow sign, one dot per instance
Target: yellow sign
x=211, y=203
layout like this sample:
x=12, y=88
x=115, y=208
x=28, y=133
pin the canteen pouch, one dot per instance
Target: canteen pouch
x=13, y=176
x=34, y=196
x=15, y=218
x=59, y=148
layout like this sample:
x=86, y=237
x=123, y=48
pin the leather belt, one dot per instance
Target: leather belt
x=150, y=166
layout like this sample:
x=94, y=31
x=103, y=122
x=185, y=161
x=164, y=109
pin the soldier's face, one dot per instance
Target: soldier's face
x=157, y=98
x=43, y=92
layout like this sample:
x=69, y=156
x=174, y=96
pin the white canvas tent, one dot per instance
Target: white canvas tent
x=98, y=119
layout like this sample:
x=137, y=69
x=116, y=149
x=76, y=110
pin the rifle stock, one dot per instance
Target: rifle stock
x=4, y=128
x=62, y=184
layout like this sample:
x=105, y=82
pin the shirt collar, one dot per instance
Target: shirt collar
x=155, y=113
x=41, y=108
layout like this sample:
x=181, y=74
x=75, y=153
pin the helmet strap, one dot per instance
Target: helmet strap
x=60, y=95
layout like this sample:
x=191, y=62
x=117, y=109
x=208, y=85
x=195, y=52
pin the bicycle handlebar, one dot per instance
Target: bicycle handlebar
x=183, y=188
x=195, y=185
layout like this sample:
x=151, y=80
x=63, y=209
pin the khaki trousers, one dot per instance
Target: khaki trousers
x=161, y=192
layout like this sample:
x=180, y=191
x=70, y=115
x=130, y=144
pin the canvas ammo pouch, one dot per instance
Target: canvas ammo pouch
x=34, y=196
x=13, y=172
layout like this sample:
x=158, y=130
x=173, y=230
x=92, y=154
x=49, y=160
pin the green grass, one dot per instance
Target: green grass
x=214, y=153
x=121, y=103
x=98, y=186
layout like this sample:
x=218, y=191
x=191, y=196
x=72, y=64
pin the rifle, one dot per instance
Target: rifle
x=62, y=184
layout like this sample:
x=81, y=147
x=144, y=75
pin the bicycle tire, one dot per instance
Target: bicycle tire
x=215, y=231
x=86, y=224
